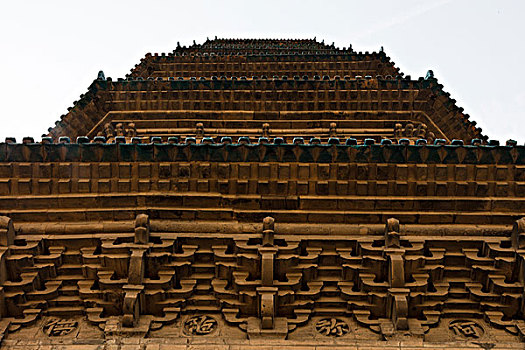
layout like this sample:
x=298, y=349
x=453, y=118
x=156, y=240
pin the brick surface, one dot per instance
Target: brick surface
x=134, y=241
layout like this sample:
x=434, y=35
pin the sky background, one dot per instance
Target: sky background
x=52, y=50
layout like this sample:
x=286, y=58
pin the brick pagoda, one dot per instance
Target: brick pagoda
x=284, y=193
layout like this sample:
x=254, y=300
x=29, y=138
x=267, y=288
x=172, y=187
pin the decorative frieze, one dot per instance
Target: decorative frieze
x=265, y=283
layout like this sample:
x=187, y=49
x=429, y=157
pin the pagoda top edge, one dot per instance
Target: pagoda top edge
x=254, y=43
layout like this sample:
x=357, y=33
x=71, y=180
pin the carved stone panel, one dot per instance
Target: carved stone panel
x=332, y=327
x=200, y=325
x=466, y=329
x=57, y=327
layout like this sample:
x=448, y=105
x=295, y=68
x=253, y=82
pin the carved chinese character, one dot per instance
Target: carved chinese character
x=466, y=329
x=332, y=327
x=56, y=327
x=200, y=325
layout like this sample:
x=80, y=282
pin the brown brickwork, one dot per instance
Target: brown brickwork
x=262, y=194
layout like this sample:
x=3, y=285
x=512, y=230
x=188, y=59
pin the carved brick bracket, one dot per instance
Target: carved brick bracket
x=263, y=283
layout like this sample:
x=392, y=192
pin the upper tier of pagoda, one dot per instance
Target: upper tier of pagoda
x=257, y=46
x=187, y=66
x=280, y=88
x=254, y=57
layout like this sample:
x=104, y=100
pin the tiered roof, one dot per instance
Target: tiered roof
x=258, y=46
x=301, y=88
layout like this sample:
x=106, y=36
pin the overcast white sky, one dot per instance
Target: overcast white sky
x=52, y=50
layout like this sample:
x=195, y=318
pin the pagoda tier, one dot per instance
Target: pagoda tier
x=360, y=108
x=259, y=46
x=205, y=65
